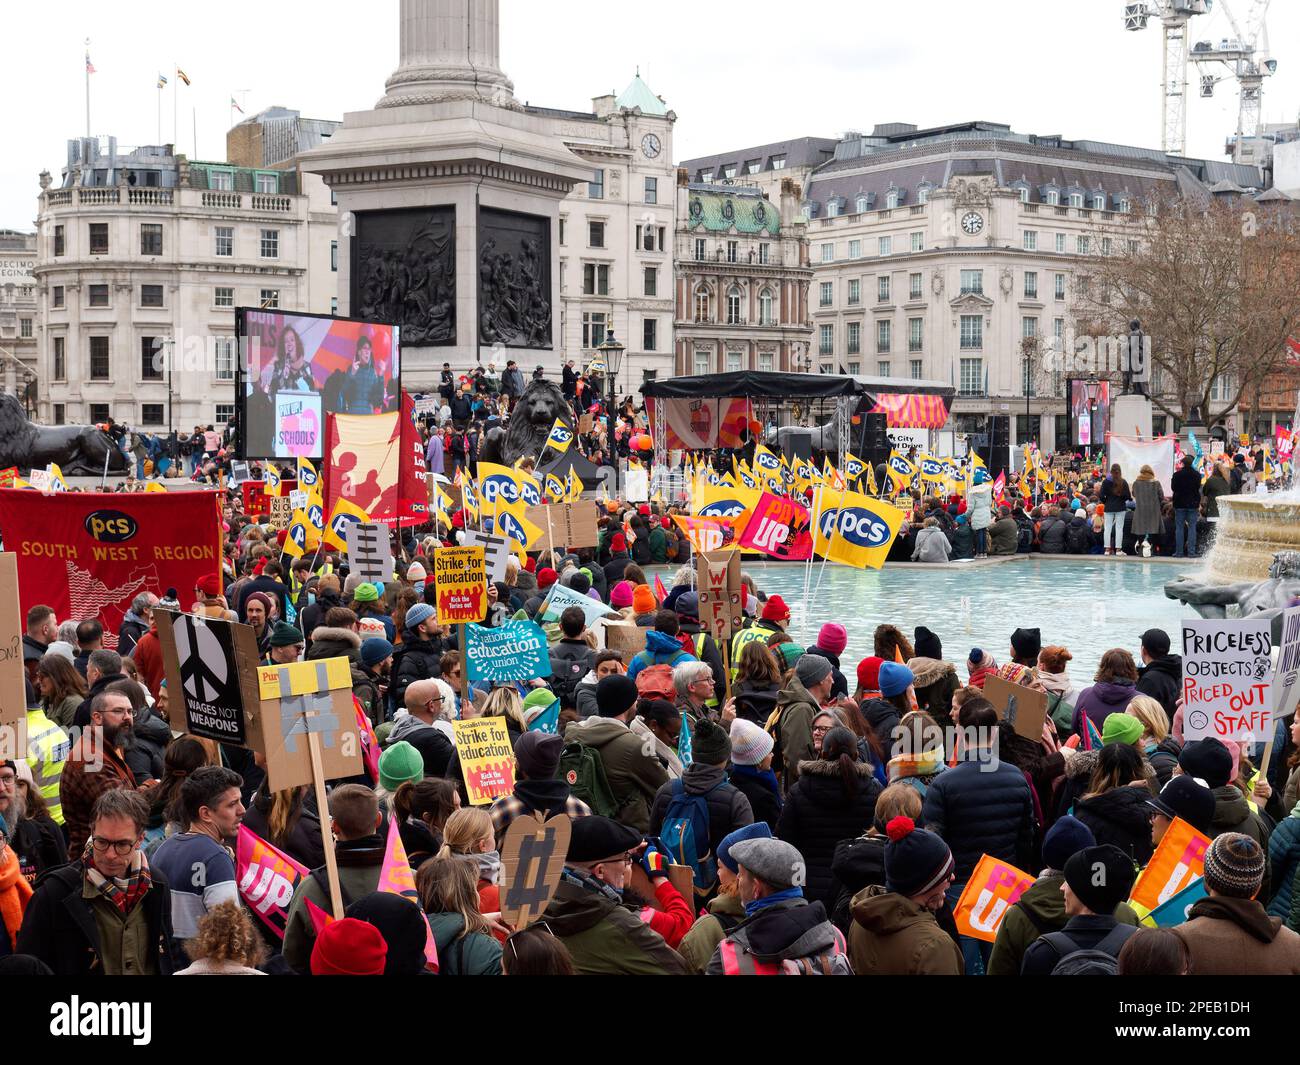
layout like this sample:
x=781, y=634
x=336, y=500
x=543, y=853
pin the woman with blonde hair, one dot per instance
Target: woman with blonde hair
x=1159, y=748
x=228, y=944
x=1148, y=501
x=463, y=936
x=470, y=834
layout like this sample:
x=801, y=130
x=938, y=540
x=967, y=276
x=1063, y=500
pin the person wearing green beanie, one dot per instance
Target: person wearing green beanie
x=286, y=644
x=1120, y=728
x=367, y=602
x=538, y=702
x=366, y=593
x=400, y=763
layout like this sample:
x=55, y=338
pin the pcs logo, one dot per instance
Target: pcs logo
x=561, y=435
x=930, y=468
x=111, y=526
x=498, y=488
x=508, y=525
x=859, y=527
x=723, y=508
x=339, y=526
x=530, y=495
x=768, y=462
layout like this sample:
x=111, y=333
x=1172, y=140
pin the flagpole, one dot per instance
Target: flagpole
x=176, y=108
x=87, y=88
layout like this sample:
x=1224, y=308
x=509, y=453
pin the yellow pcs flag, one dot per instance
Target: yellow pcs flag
x=561, y=437
x=556, y=488
x=854, y=468
x=270, y=480
x=901, y=471
x=766, y=464
x=857, y=531
x=931, y=470
x=574, y=487
x=509, y=521
x=308, y=479
x=873, y=488
x=345, y=514
x=295, y=540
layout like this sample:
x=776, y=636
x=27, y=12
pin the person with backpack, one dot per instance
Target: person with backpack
x=833, y=799
x=662, y=649
x=571, y=657
x=359, y=851
x=692, y=815
x=587, y=913
x=606, y=763
x=725, y=910
x=894, y=930
x=783, y=933
x=1097, y=879
x=538, y=787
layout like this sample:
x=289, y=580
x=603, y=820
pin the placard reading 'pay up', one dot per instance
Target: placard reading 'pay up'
x=1227, y=679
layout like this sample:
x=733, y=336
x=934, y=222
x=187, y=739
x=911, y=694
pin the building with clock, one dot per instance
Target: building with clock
x=743, y=278
x=616, y=234
x=956, y=254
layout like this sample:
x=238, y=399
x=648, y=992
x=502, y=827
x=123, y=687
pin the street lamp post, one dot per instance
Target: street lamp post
x=1093, y=386
x=612, y=353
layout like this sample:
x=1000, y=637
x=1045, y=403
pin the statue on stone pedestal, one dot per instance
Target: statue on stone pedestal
x=1254, y=599
x=78, y=450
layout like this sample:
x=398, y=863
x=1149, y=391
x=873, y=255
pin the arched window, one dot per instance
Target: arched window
x=1024, y=193
x=891, y=200
x=733, y=306
x=1053, y=197
x=862, y=205
x=832, y=207
x=702, y=304
x=765, y=308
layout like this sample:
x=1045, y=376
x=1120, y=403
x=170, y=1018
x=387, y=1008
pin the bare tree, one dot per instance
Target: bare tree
x=1216, y=284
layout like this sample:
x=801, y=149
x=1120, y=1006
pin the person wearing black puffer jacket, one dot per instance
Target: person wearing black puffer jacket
x=833, y=799
x=1161, y=677
x=831, y=641
x=1115, y=806
x=980, y=806
x=421, y=651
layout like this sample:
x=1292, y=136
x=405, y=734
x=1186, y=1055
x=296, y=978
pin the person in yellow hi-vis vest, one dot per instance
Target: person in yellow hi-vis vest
x=48, y=747
x=774, y=616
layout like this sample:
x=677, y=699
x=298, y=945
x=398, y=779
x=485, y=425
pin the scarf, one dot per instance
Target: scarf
x=590, y=883
x=1055, y=683
x=756, y=905
x=489, y=866
x=122, y=892
x=14, y=892
x=764, y=776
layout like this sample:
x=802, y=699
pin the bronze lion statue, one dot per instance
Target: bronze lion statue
x=529, y=426
x=79, y=450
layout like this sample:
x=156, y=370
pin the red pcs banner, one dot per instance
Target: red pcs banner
x=87, y=555
x=413, y=483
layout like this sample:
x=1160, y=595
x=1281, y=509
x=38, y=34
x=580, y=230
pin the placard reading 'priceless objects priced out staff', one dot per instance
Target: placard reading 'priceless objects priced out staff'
x=1227, y=679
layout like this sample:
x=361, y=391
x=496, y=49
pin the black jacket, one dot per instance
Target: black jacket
x=1185, y=488
x=304, y=842
x=414, y=660
x=145, y=756
x=753, y=703
x=39, y=845
x=614, y=568
x=978, y=810
x=763, y=801
x=82, y=717
x=1114, y=499
x=818, y=814
x=314, y=614
x=59, y=925
x=883, y=717
x=267, y=586
x=1077, y=534
x=127, y=636
x=1163, y=681
x=1051, y=535
x=431, y=742
x=1121, y=817
x=1085, y=931
x=1164, y=759
x=728, y=807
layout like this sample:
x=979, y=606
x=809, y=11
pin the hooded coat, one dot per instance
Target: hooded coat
x=660, y=649
x=605, y=938
x=979, y=808
x=1148, y=498
x=1100, y=701
x=894, y=936
x=634, y=777
x=818, y=814
x=433, y=745
x=785, y=931
x=1232, y=813
x=476, y=954
x=729, y=809
x=1236, y=937
x=935, y=683
x=754, y=703
x=1051, y=535
x=794, y=729
x=1284, y=857
x=1162, y=679
x=1120, y=817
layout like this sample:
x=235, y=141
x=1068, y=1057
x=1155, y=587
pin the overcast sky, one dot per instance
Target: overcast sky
x=736, y=74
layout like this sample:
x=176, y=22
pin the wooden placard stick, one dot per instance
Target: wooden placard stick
x=327, y=837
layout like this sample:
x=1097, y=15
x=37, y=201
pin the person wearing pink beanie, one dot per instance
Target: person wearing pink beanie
x=620, y=595
x=830, y=644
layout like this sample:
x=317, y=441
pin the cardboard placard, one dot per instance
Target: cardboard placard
x=487, y=758
x=496, y=551
x=585, y=424
x=1286, y=680
x=1228, y=679
x=532, y=861
x=308, y=703
x=280, y=509
x=1027, y=706
x=514, y=651
x=370, y=555
x=459, y=575
x=721, y=595
x=209, y=684
x=298, y=499
x=680, y=876
x=625, y=637
x=992, y=889
x=13, y=692
x=568, y=525
x=1179, y=860
x=238, y=472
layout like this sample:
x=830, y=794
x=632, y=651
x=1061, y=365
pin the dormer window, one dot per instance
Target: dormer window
x=832, y=208
x=1024, y=193
x=1076, y=199
x=862, y=205
x=891, y=199
x=1099, y=201
x=1053, y=198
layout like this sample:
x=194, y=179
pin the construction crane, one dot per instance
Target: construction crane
x=1247, y=59
x=1174, y=16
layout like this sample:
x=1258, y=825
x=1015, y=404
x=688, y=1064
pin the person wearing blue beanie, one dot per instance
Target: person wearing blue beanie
x=1041, y=908
x=725, y=910
x=895, y=678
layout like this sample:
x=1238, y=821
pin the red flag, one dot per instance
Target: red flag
x=413, y=485
x=369, y=741
x=660, y=591
x=999, y=487
x=395, y=875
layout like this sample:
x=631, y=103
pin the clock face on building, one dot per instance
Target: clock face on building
x=651, y=146
x=972, y=222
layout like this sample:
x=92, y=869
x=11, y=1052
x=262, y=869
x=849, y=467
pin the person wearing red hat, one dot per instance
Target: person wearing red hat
x=770, y=623
x=546, y=576
x=619, y=559
x=869, y=678
x=349, y=948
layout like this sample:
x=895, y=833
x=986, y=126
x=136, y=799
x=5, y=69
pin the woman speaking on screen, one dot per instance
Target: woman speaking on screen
x=362, y=391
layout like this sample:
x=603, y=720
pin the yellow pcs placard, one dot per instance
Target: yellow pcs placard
x=303, y=678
